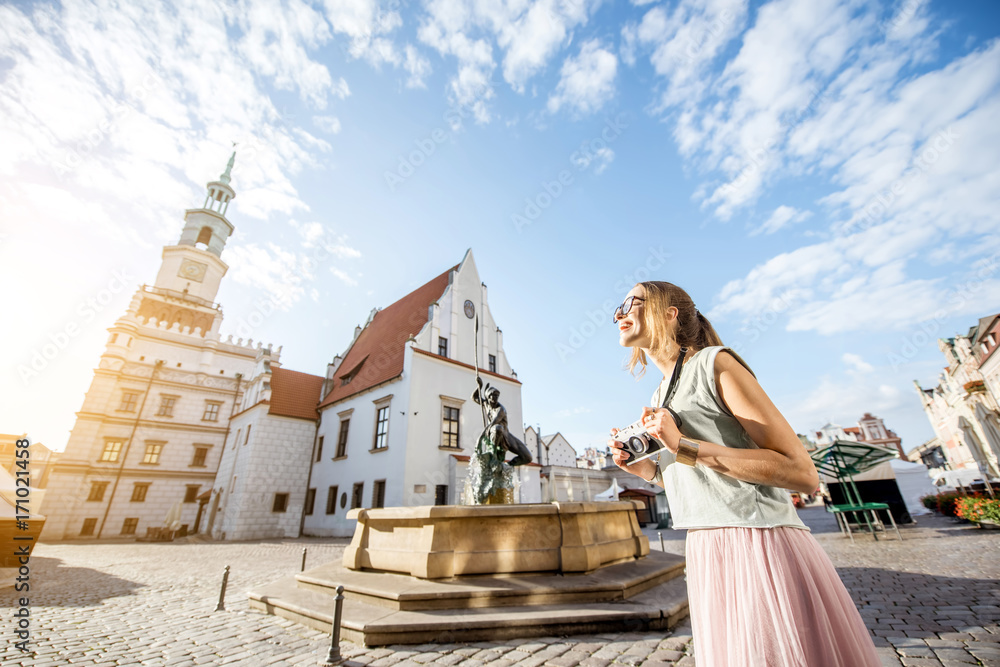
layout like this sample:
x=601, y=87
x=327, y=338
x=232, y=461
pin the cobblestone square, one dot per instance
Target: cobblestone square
x=932, y=599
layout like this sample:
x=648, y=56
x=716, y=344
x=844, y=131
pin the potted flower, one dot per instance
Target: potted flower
x=983, y=511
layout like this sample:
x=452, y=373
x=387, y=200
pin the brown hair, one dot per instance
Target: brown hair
x=691, y=329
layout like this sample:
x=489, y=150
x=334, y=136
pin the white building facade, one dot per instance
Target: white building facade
x=397, y=419
x=150, y=433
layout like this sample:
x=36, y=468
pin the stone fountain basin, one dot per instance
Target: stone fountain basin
x=441, y=542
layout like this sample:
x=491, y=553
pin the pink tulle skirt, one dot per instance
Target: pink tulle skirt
x=770, y=597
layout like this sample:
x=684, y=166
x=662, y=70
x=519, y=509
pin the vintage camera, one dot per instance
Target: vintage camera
x=638, y=443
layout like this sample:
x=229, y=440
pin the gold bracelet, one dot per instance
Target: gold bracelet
x=687, y=452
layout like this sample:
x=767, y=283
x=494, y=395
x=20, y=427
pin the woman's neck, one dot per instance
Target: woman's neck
x=665, y=359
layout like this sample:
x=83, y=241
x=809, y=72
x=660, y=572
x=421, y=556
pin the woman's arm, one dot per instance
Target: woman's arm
x=781, y=461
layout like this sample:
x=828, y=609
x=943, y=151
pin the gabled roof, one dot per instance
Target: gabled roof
x=295, y=394
x=377, y=354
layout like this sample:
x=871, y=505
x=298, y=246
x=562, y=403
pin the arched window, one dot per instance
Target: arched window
x=204, y=236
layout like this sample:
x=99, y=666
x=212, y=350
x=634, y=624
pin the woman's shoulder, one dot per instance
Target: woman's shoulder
x=730, y=361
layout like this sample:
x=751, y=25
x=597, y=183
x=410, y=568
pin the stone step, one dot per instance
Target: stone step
x=616, y=582
x=658, y=608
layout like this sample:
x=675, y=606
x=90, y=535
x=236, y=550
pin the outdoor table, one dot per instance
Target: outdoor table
x=842, y=459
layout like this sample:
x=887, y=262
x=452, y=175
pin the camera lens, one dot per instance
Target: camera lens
x=637, y=444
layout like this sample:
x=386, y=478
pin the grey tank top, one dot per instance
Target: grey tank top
x=698, y=496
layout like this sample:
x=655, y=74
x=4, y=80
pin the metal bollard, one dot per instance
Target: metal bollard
x=303, y=560
x=661, y=541
x=333, y=657
x=222, y=593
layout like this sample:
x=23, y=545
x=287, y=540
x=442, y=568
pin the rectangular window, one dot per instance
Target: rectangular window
x=442, y=346
x=236, y=440
x=88, y=527
x=129, y=525
x=191, y=493
x=310, y=501
x=97, y=491
x=280, y=502
x=381, y=428
x=166, y=406
x=357, y=494
x=342, y=438
x=129, y=400
x=232, y=486
x=152, y=454
x=319, y=450
x=378, y=493
x=331, y=500
x=211, y=411
x=449, y=436
x=139, y=492
x=441, y=494
x=493, y=363
x=112, y=448
x=200, y=455
x=249, y=426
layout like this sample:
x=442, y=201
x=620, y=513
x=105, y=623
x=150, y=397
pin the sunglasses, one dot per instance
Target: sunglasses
x=622, y=310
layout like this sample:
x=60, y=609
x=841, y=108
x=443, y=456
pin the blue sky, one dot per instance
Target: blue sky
x=821, y=176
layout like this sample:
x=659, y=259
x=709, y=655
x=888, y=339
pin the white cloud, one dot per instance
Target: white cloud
x=346, y=279
x=587, y=81
x=781, y=217
x=328, y=124
x=684, y=43
x=418, y=67
x=278, y=272
x=845, y=401
x=367, y=26
x=857, y=363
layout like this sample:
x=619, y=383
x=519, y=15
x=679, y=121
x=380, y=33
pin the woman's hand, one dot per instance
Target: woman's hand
x=660, y=424
x=644, y=469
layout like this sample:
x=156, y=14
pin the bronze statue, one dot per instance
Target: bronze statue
x=491, y=480
x=496, y=431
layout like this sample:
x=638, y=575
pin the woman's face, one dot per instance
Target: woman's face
x=631, y=330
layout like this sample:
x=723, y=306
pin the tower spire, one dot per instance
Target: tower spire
x=225, y=178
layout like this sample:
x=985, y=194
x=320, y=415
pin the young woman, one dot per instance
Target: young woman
x=761, y=590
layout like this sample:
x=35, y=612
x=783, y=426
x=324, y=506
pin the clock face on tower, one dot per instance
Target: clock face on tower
x=192, y=270
x=470, y=309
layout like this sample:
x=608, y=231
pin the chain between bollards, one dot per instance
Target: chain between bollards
x=661, y=540
x=222, y=592
x=334, y=657
x=303, y=569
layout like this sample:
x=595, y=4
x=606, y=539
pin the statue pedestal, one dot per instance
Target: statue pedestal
x=488, y=572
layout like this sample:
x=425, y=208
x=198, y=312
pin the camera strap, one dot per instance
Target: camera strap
x=672, y=387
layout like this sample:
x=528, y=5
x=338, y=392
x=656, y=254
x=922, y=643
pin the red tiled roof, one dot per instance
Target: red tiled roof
x=377, y=354
x=295, y=394
x=852, y=429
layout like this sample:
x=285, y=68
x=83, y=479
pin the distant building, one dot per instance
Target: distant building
x=962, y=408
x=41, y=459
x=593, y=458
x=931, y=454
x=985, y=345
x=870, y=430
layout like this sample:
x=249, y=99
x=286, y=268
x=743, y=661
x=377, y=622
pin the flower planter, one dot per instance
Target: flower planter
x=989, y=525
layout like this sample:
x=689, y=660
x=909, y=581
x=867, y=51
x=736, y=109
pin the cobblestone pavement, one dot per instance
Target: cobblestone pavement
x=929, y=600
